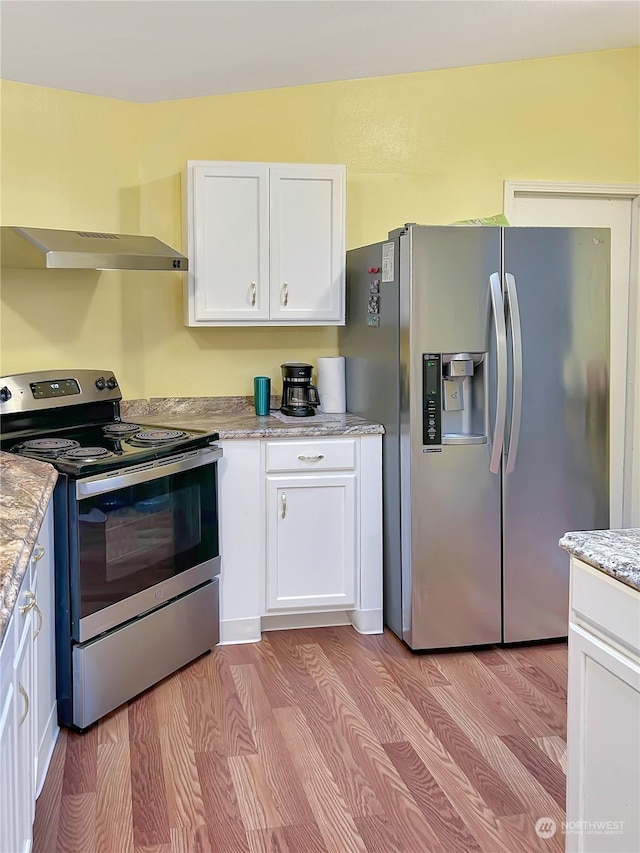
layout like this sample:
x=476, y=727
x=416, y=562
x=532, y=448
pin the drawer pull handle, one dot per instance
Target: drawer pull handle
x=311, y=458
x=253, y=294
x=285, y=295
x=39, y=612
x=25, y=696
x=38, y=553
x=31, y=602
x=283, y=504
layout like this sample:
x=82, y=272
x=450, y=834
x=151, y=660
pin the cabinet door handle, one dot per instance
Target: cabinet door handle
x=31, y=602
x=283, y=505
x=25, y=696
x=317, y=458
x=39, y=612
x=285, y=294
x=38, y=553
x=253, y=294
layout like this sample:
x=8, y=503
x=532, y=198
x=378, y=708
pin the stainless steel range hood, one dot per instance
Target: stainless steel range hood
x=48, y=248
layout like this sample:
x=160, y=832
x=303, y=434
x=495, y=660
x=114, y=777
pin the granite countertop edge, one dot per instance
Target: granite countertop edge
x=614, y=552
x=26, y=486
x=234, y=418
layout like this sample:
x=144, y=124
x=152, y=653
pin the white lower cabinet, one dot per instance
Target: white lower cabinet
x=46, y=716
x=603, y=725
x=28, y=724
x=24, y=722
x=311, y=542
x=8, y=744
x=300, y=535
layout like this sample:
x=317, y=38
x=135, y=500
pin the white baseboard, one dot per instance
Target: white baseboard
x=283, y=622
x=234, y=631
x=240, y=631
x=367, y=621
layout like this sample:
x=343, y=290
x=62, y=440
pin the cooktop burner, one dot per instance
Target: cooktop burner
x=87, y=454
x=120, y=428
x=103, y=447
x=49, y=446
x=157, y=436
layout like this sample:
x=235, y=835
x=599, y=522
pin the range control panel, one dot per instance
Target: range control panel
x=431, y=399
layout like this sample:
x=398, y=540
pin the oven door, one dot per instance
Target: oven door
x=141, y=536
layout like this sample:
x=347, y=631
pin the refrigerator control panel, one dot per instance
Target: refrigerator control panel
x=431, y=399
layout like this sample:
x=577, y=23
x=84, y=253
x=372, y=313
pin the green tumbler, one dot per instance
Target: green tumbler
x=261, y=394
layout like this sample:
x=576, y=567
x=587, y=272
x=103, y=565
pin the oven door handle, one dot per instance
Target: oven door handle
x=120, y=479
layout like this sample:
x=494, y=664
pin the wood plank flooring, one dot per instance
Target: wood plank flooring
x=321, y=740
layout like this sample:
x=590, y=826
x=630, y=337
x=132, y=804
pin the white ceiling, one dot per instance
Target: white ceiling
x=154, y=50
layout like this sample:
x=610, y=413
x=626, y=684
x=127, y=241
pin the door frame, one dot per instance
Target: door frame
x=631, y=465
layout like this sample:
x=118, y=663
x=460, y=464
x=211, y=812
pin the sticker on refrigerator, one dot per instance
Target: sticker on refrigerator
x=388, y=261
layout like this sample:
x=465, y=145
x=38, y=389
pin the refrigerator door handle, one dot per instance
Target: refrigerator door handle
x=497, y=307
x=516, y=349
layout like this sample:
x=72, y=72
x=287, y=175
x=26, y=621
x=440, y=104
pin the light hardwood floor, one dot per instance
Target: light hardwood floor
x=321, y=740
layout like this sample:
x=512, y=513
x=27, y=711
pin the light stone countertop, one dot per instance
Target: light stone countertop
x=234, y=418
x=26, y=486
x=615, y=552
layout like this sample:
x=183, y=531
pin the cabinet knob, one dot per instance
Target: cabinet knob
x=283, y=504
x=38, y=553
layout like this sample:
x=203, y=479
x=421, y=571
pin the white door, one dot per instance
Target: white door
x=311, y=547
x=603, y=749
x=534, y=207
x=231, y=236
x=307, y=244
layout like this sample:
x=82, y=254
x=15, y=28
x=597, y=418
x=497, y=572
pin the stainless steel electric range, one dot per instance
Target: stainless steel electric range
x=136, y=536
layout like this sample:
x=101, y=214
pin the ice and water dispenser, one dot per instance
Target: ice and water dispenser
x=455, y=398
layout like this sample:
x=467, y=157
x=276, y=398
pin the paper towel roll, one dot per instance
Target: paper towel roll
x=331, y=384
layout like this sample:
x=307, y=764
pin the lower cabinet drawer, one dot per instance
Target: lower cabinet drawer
x=606, y=605
x=317, y=455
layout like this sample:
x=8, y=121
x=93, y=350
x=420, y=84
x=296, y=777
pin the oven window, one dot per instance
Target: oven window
x=141, y=535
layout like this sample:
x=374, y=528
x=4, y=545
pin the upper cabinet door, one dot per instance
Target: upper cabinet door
x=266, y=244
x=307, y=250
x=228, y=243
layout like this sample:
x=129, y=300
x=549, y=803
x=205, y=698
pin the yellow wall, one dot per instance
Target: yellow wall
x=69, y=161
x=430, y=147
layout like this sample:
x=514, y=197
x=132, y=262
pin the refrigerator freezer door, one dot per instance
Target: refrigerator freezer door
x=556, y=478
x=370, y=343
x=450, y=500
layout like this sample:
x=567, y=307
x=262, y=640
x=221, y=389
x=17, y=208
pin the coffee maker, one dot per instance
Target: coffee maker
x=299, y=397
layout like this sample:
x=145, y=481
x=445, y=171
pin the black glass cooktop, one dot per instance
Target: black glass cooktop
x=87, y=450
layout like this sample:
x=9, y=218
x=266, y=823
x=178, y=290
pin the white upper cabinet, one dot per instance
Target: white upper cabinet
x=307, y=244
x=266, y=244
x=228, y=243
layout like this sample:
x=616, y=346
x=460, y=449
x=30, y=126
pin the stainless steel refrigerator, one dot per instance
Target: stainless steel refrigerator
x=484, y=351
